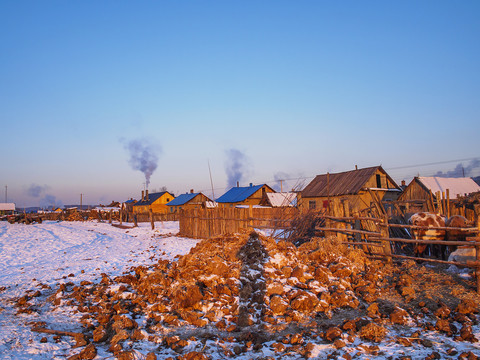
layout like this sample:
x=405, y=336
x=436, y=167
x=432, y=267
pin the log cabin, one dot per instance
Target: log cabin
x=188, y=201
x=420, y=194
x=356, y=186
x=244, y=195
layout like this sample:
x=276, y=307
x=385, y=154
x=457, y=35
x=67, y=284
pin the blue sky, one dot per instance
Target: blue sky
x=298, y=88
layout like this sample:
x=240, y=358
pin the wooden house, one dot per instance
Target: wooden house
x=244, y=195
x=422, y=190
x=128, y=205
x=188, y=201
x=156, y=202
x=7, y=208
x=358, y=186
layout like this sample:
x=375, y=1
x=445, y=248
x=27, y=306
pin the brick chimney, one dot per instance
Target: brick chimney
x=146, y=195
x=191, y=191
x=143, y=195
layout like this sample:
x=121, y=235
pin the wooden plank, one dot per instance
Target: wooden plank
x=347, y=218
x=469, y=229
x=362, y=243
x=434, y=242
x=471, y=264
x=353, y=231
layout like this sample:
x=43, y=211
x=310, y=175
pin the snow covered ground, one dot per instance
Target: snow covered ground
x=58, y=252
x=33, y=257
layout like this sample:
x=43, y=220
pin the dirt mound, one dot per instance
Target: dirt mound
x=248, y=293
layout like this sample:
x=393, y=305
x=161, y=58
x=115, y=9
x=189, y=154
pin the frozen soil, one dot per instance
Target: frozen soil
x=250, y=297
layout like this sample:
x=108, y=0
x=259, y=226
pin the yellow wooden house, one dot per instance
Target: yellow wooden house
x=156, y=202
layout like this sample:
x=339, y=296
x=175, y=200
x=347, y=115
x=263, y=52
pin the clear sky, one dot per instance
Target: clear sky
x=273, y=89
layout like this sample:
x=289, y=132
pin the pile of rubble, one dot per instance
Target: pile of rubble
x=247, y=293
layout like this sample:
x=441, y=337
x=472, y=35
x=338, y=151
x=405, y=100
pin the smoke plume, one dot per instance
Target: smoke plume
x=143, y=156
x=36, y=190
x=50, y=201
x=236, y=167
x=461, y=171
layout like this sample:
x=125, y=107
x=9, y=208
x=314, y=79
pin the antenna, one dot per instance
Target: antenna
x=211, y=181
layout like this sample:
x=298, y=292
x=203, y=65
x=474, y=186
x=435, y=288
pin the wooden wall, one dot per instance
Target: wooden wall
x=207, y=223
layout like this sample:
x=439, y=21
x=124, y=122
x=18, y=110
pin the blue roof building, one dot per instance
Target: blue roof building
x=244, y=195
x=187, y=201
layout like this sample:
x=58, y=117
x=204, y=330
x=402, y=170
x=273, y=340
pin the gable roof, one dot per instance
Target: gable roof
x=7, y=206
x=282, y=199
x=151, y=198
x=238, y=194
x=344, y=183
x=456, y=186
x=182, y=199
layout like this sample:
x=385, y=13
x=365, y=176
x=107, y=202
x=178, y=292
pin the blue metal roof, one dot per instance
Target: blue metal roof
x=182, y=199
x=238, y=194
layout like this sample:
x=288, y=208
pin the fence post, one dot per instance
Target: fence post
x=151, y=219
x=387, y=250
x=477, y=255
x=448, y=203
x=110, y=217
x=250, y=217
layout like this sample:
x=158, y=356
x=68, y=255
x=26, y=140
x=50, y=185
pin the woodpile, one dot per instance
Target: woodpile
x=24, y=219
x=246, y=292
x=75, y=216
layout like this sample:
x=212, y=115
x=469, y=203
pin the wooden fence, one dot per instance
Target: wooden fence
x=207, y=223
x=373, y=230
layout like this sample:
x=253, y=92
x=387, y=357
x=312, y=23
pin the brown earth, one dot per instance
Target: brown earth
x=247, y=290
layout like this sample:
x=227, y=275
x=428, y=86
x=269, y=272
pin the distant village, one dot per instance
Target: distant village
x=360, y=187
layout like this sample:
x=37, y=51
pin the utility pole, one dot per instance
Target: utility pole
x=81, y=196
x=6, y=189
x=211, y=181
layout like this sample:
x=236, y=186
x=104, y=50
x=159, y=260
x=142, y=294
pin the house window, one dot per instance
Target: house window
x=312, y=204
x=379, y=181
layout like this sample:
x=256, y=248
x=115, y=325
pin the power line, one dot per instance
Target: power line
x=429, y=164
x=303, y=178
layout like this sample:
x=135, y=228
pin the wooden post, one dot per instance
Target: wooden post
x=477, y=255
x=439, y=203
x=151, y=219
x=432, y=203
x=328, y=194
x=121, y=215
x=387, y=250
x=110, y=217
x=448, y=203
x=250, y=217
